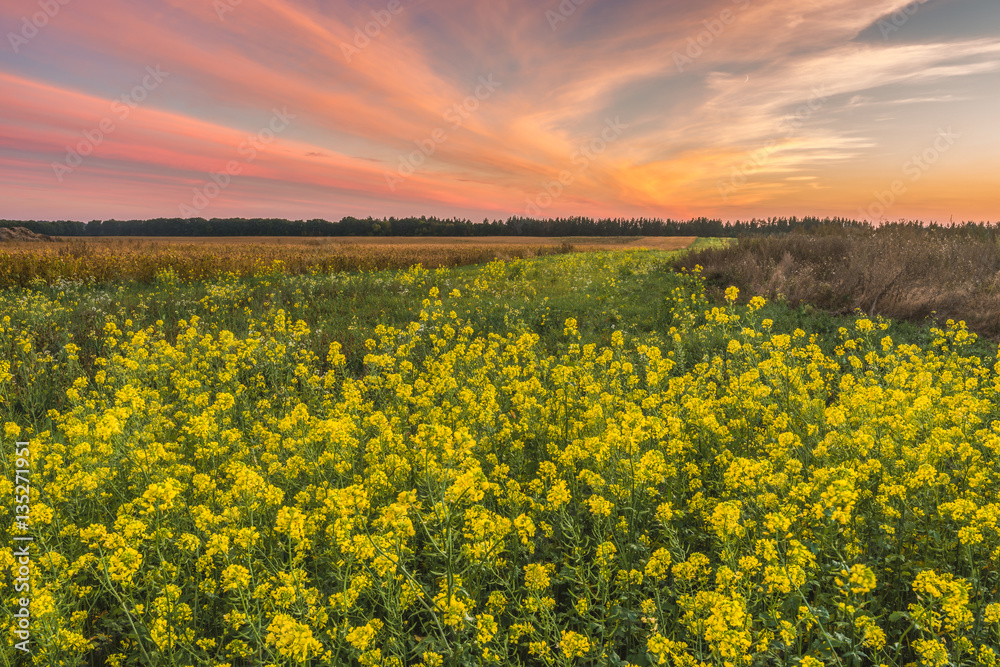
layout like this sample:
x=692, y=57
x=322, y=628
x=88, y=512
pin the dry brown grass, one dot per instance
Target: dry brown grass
x=897, y=272
x=141, y=258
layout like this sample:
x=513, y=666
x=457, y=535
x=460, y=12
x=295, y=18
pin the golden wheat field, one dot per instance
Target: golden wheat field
x=140, y=258
x=602, y=242
x=571, y=459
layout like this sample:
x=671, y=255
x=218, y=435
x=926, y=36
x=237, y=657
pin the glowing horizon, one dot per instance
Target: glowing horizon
x=328, y=108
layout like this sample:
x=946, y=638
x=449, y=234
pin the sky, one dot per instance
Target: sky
x=301, y=109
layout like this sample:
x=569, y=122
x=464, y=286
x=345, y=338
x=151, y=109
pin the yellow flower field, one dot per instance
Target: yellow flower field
x=717, y=493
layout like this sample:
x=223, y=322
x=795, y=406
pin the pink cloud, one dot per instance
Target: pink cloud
x=363, y=115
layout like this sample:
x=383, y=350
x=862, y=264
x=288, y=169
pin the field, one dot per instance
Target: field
x=559, y=459
x=590, y=242
x=142, y=258
x=899, y=271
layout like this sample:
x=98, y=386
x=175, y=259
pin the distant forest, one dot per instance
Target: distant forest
x=431, y=226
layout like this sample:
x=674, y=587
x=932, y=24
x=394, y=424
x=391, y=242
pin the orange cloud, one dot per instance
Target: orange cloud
x=730, y=108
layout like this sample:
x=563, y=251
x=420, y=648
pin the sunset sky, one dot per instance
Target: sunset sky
x=491, y=108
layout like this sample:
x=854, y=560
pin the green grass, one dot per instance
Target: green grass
x=635, y=292
x=705, y=243
x=605, y=292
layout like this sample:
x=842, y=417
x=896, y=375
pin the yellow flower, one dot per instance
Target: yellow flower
x=991, y=614
x=432, y=659
x=486, y=628
x=862, y=579
x=658, y=566
x=558, y=494
x=362, y=636
x=932, y=652
x=536, y=576
x=123, y=564
x=664, y=649
x=291, y=521
x=664, y=513
x=235, y=576
x=293, y=640
x=725, y=519
x=600, y=506
x=574, y=645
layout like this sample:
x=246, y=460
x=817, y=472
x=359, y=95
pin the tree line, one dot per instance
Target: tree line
x=432, y=226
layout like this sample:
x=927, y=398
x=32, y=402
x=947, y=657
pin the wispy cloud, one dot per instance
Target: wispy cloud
x=687, y=129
